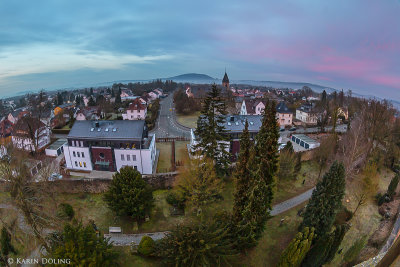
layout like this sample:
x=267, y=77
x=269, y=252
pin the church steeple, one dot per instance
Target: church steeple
x=225, y=81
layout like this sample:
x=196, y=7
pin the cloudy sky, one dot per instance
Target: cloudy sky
x=343, y=44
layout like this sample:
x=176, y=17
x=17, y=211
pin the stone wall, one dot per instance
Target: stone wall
x=99, y=185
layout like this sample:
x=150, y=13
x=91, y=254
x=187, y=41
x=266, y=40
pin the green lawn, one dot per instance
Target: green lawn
x=127, y=259
x=290, y=188
x=66, y=127
x=274, y=240
x=188, y=120
x=164, y=160
x=181, y=152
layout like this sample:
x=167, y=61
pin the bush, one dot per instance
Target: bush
x=146, y=246
x=353, y=252
x=176, y=199
x=391, y=191
x=66, y=211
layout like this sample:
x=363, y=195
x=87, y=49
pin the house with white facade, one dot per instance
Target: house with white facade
x=252, y=107
x=30, y=134
x=110, y=145
x=135, y=111
x=306, y=114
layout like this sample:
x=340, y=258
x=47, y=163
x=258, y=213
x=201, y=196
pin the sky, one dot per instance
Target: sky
x=67, y=43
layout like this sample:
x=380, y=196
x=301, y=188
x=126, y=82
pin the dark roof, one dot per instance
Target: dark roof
x=235, y=123
x=116, y=129
x=225, y=79
x=66, y=105
x=282, y=108
x=26, y=124
x=306, y=108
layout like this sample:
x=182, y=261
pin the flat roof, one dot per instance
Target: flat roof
x=108, y=130
x=306, y=138
x=57, y=144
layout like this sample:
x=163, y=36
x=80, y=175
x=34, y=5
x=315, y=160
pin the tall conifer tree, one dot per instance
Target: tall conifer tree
x=213, y=138
x=242, y=175
x=326, y=200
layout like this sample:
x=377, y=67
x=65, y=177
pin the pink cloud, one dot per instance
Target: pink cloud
x=387, y=80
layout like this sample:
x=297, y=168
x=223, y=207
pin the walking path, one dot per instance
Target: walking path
x=291, y=203
x=128, y=239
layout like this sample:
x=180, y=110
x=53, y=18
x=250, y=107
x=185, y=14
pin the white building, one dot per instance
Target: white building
x=135, y=111
x=110, y=145
x=306, y=115
x=30, y=134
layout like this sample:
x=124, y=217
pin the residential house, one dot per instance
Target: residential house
x=127, y=95
x=252, y=107
x=30, y=134
x=17, y=114
x=135, y=111
x=6, y=128
x=110, y=145
x=64, y=108
x=306, y=114
x=284, y=115
x=89, y=113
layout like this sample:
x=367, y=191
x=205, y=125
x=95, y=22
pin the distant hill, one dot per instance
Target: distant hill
x=190, y=77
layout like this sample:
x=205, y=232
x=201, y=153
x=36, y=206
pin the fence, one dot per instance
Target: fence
x=171, y=139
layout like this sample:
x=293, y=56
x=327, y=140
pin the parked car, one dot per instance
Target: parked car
x=55, y=176
x=282, y=129
x=292, y=129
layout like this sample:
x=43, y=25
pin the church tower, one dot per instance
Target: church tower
x=225, y=81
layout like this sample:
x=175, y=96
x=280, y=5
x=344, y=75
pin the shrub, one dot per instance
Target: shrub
x=146, y=246
x=66, y=211
x=353, y=252
x=391, y=191
x=176, y=199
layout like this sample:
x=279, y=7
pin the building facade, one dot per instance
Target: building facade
x=306, y=115
x=110, y=145
x=135, y=111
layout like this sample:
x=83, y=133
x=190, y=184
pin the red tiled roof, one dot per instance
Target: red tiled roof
x=136, y=105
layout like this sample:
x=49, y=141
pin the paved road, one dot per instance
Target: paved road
x=166, y=125
x=291, y=203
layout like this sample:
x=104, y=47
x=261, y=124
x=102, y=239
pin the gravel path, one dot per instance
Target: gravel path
x=291, y=203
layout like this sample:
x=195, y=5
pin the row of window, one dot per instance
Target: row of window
x=78, y=154
x=80, y=164
x=128, y=157
x=77, y=143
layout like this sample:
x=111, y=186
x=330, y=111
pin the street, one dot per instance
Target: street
x=166, y=125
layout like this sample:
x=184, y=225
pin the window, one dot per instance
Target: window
x=122, y=157
x=74, y=154
x=80, y=164
x=83, y=155
x=135, y=167
x=128, y=157
x=73, y=143
x=79, y=154
x=133, y=157
x=76, y=163
x=84, y=164
x=82, y=144
x=101, y=155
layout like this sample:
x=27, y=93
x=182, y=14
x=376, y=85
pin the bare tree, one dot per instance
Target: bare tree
x=355, y=145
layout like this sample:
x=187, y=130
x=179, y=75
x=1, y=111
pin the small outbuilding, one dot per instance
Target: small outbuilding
x=56, y=148
x=305, y=141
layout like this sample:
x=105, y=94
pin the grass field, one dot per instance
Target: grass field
x=188, y=120
x=164, y=160
x=292, y=187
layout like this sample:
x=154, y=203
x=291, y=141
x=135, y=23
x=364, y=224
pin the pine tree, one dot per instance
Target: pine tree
x=129, y=194
x=324, y=250
x=323, y=99
x=289, y=147
x=242, y=175
x=211, y=131
x=5, y=246
x=391, y=191
x=264, y=165
x=294, y=254
x=118, y=97
x=266, y=155
x=326, y=200
x=297, y=167
x=91, y=102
